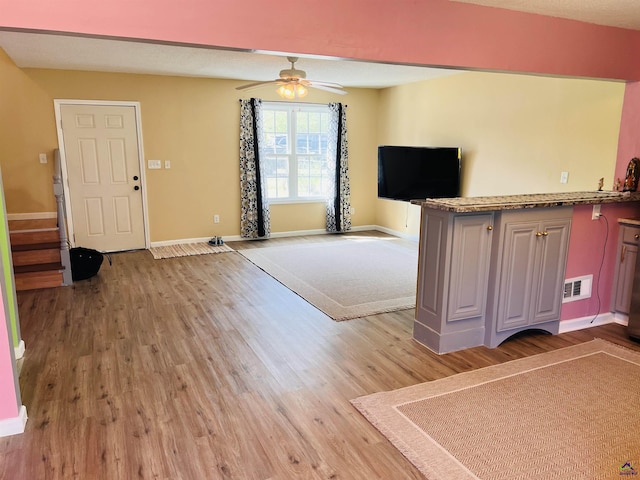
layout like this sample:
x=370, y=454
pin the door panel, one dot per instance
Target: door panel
x=101, y=151
x=469, y=266
x=550, y=281
x=517, y=273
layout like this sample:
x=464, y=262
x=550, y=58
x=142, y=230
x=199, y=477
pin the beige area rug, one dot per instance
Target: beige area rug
x=346, y=279
x=570, y=413
x=187, y=249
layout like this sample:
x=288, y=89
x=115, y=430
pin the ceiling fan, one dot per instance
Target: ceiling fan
x=294, y=84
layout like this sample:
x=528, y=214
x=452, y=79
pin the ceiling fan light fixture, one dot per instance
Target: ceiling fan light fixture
x=291, y=91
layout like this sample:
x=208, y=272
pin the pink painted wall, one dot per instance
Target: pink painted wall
x=9, y=407
x=629, y=139
x=587, y=236
x=428, y=32
x=587, y=251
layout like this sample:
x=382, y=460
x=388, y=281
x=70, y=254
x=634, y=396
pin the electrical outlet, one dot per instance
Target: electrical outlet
x=595, y=214
x=216, y=219
x=167, y=164
x=43, y=158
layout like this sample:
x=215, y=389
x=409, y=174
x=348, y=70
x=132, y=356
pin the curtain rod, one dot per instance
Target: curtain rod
x=301, y=103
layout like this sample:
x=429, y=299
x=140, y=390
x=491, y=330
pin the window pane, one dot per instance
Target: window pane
x=313, y=177
x=276, y=171
x=275, y=130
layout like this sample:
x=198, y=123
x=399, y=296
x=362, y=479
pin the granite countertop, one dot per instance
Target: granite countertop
x=630, y=221
x=536, y=200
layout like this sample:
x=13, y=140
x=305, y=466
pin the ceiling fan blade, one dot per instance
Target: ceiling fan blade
x=327, y=89
x=254, y=85
x=325, y=84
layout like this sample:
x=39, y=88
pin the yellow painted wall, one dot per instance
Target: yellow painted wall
x=27, y=128
x=517, y=133
x=194, y=123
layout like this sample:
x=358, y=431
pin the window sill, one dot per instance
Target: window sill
x=287, y=201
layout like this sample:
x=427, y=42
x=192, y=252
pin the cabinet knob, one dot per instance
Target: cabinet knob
x=636, y=236
x=490, y=227
x=538, y=234
x=544, y=234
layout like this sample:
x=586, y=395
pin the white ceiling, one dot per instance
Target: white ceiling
x=31, y=50
x=34, y=50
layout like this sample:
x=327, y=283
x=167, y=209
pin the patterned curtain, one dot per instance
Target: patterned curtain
x=254, y=205
x=339, y=199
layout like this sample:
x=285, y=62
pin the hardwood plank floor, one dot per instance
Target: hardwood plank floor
x=205, y=367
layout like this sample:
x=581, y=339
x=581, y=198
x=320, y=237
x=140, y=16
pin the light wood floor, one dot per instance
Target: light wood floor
x=206, y=368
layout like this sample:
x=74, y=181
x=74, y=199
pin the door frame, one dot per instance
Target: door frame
x=58, y=104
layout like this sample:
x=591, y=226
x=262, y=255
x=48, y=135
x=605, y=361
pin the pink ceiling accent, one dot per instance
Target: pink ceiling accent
x=428, y=32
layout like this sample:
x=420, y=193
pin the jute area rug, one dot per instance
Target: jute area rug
x=571, y=413
x=187, y=249
x=345, y=279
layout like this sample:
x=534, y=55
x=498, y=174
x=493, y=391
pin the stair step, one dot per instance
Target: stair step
x=34, y=257
x=31, y=237
x=40, y=267
x=33, y=224
x=37, y=280
x=28, y=247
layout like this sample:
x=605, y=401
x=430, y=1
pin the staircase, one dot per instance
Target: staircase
x=35, y=251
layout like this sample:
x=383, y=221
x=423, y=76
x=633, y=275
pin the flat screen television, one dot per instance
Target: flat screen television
x=414, y=173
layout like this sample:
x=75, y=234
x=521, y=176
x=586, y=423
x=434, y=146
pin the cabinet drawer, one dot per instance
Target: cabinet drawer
x=631, y=234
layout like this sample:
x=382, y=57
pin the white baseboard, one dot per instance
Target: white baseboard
x=588, y=322
x=167, y=243
x=19, y=350
x=237, y=238
x=406, y=236
x=31, y=216
x=15, y=425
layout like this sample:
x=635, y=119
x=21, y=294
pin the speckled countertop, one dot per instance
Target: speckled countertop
x=630, y=221
x=536, y=200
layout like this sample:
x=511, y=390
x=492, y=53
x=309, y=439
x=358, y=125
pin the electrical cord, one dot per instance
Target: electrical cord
x=604, y=249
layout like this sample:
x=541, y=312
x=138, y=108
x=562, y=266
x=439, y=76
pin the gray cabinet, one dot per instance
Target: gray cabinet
x=453, y=273
x=528, y=273
x=484, y=276
x=625, y=266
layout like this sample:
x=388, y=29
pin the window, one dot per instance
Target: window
x=295, y=151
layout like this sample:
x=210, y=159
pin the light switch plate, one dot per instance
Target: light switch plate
x=167, y=164
x=564, y=177
x=154, y=164
x=43, y=158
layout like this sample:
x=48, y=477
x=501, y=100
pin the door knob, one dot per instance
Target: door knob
x=135, y=177
x=136, y=187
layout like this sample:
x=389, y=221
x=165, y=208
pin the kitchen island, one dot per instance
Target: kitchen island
x=490, y=267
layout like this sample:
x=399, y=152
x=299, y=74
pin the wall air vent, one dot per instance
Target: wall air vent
x=577, y=288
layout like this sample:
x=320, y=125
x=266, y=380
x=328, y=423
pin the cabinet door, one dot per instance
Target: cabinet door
x=628, y=256
x=549, y=279
x=470, y=254
x=517, y=270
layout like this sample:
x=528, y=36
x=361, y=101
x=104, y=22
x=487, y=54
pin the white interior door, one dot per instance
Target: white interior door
x=104, y=178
